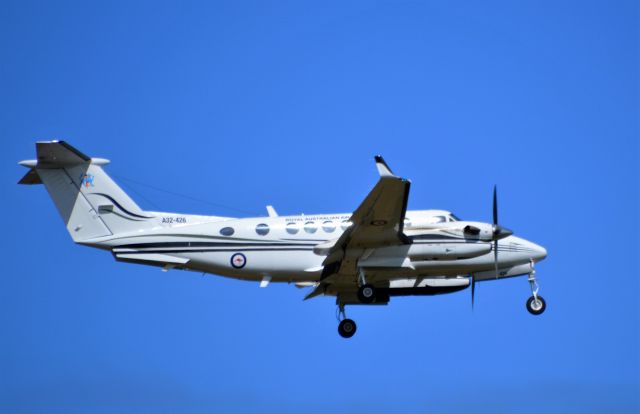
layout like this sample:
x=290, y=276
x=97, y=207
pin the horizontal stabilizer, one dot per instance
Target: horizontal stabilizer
x=55, y=154
x=90, y=203
x=31, y=177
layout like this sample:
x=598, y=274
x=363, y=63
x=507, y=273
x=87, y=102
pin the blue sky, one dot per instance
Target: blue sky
x=243, y=104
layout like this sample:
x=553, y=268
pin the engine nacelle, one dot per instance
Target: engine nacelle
x=447, y=251
x=406, y=287
x=430, y=282
x=428, y=286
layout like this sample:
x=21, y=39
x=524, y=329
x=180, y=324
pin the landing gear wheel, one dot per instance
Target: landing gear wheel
x=367, y=293
x=347, y=328
x=536, y=305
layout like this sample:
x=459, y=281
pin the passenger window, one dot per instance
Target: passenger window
x=345, y=224
x=328, y=226
x=227, y=231
x=292, y=228
x=262, y=229
x=310, y=227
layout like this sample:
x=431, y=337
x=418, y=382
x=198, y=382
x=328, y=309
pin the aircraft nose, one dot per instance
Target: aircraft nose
x=539, y=252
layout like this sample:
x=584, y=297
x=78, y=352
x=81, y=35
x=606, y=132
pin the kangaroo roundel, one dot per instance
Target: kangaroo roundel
x=238, y=260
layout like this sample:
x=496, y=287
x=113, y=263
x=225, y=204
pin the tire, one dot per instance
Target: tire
x=367, y=293
x=536, y=309
x=347, y=328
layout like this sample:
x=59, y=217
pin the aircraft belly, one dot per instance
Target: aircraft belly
x=504, y=272
x=255, y=264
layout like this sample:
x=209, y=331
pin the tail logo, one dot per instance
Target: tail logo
x=86, y=180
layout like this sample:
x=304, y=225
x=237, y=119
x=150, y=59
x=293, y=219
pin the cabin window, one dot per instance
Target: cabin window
x=310, y=227
x=407, y=223
x=227, y=231
x=345, y=224
x=328, y=226
x=262, y=229
x=435, y=219
x=292, y=228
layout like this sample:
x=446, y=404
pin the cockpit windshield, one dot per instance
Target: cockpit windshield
x=434, y=219
x=453, y=217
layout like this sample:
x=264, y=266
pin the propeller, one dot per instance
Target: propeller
x=499, y=232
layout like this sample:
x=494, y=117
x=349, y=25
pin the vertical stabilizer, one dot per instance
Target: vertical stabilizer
x=90, y=203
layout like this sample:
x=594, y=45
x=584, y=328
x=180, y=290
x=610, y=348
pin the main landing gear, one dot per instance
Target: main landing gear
x=535, y=304
x=346, y=327
x=366, y=291
x=366, y=294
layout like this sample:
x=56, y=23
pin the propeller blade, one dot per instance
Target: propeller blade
x=473, y=290
x=495, y=205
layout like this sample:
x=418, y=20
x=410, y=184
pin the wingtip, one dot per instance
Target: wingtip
x=383, y=168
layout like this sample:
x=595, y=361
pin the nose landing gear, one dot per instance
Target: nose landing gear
x=536, y=304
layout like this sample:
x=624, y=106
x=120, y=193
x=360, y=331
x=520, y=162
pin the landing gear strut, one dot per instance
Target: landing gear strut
x=535, y=304
x=346, y=327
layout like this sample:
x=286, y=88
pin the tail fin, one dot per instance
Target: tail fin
x=91, y=204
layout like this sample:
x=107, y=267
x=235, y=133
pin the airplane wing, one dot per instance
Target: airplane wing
x=377, y=222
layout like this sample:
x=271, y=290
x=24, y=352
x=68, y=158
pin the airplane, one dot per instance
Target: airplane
x=379, y=251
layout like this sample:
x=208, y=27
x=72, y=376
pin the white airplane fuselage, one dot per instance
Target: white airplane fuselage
x=284, y=248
